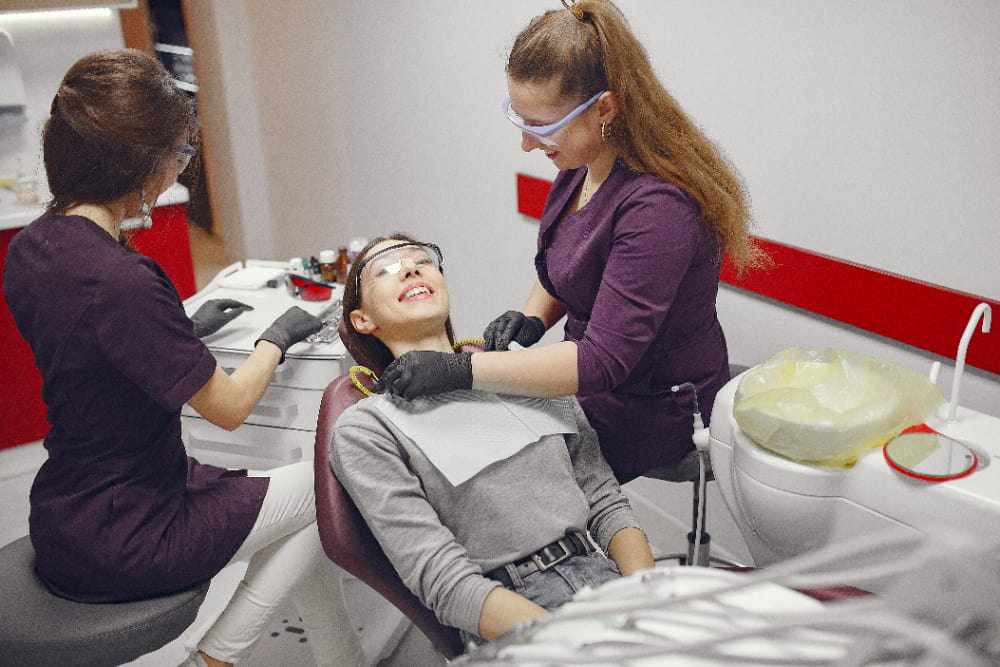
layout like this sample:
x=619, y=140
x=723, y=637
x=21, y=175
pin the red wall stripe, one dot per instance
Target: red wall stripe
x=914, y=312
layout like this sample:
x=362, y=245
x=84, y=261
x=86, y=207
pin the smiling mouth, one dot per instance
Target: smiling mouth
x=416, y=291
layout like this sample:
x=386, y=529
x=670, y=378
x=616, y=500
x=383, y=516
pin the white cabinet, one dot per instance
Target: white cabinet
x=282, y=428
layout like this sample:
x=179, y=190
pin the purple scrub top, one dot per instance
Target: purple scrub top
x=638, y=273
x=118, y=510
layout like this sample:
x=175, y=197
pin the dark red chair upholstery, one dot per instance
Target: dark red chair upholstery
x=346, y=538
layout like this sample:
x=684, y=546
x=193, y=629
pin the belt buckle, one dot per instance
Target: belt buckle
x=542, y=566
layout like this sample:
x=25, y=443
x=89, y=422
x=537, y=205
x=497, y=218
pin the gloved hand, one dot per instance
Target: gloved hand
x=513, y=326
x=423, y=372
x=293, y=326
x=215, y=314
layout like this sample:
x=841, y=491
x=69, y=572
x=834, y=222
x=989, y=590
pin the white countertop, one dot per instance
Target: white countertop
x=14, y=215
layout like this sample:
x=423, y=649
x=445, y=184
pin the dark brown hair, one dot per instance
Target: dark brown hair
x=651, y=132
x=114, y=119
x=366, y=349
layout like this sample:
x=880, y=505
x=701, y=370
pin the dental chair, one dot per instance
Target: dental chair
x=347, y=539
x=40, y=629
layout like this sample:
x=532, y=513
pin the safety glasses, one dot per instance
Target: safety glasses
x=187, y=152
x=389, y=261
x=307, y=290
x=543, y=133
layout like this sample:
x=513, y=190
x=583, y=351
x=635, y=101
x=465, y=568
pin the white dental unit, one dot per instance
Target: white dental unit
x=282, y=428
x=784, y=508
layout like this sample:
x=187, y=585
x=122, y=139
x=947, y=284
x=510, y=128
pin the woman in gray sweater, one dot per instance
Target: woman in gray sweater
x=489, y=506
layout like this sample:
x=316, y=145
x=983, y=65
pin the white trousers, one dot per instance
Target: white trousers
x=286, y=558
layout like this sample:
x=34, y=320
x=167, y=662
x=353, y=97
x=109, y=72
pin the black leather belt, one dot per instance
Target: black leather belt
x=574, y=544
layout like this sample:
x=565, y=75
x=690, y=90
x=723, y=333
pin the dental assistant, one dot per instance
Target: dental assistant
x=119, y=512
x=629, y=249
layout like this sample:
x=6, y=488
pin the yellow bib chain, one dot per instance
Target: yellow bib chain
x=468, y=341
x=364, y=370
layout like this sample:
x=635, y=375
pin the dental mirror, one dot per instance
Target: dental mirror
x=930, y=456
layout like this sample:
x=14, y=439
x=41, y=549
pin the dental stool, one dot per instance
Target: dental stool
x=687, y=470
x=40, y=629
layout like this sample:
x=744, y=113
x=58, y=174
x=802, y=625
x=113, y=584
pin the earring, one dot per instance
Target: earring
x=603, y=136
x=146, y=210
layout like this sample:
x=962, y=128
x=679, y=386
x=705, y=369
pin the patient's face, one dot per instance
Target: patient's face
x=410, y=300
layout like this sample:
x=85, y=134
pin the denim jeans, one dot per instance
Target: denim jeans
x=556, y=586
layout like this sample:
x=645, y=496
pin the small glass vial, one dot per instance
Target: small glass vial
x=327, y=266
x=355, y=247
x=343, y=264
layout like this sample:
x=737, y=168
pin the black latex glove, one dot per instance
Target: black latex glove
x=215, y=314
x=293, y=326
x=423, y=372
x=513, y=326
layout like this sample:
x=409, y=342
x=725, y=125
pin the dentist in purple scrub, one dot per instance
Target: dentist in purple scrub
x=119, y=512
x=629, y=249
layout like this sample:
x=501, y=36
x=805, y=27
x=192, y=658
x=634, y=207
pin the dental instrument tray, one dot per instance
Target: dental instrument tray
x=234, y=342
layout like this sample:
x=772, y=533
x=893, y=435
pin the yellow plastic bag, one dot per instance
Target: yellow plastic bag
x=828, y=407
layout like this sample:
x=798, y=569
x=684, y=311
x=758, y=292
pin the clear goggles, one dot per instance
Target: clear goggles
x=543, y=133
x=389, y=261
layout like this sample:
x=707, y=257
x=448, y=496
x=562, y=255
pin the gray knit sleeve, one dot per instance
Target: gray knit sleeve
x=372, y=466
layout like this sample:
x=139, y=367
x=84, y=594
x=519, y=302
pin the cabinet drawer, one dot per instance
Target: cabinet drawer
x=281, y=407
x=303, y=372
x=249, y=446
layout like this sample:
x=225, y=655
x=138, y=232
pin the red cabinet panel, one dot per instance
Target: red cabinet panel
x=22, y=412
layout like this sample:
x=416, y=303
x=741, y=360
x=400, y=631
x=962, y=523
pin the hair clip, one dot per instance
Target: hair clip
x=576, y=11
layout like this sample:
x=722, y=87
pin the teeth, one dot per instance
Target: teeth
x=415, y=291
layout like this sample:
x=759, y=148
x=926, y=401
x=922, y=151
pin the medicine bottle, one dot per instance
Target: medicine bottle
x=295, y=267
x=343, y=264
x=327, y=266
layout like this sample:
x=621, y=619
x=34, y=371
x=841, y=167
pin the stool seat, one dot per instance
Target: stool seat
x=40, y=628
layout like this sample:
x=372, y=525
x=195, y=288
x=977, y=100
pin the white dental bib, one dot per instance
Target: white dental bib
x=463, y=432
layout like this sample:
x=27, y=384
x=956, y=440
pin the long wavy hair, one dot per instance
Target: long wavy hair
x=366, y=349
x=112, y=124
x=651, y=132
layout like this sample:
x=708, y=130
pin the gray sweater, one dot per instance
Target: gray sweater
x=441, y=537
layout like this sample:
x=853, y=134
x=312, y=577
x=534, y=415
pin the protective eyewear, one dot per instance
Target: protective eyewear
x=389, y=261
x=543, y=133
x=187, y=152
x=307, y=290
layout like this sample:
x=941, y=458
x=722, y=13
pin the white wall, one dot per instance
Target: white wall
x=864, y=130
